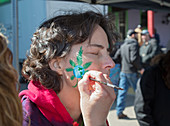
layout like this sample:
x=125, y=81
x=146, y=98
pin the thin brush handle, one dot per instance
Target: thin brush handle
x=108, y=84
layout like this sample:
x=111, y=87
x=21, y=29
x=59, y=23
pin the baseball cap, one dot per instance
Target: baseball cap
x=139, y=26
x=130, y=32
x=145, y=32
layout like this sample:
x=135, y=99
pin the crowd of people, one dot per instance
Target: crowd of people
x=130, y=65
x=66, y=52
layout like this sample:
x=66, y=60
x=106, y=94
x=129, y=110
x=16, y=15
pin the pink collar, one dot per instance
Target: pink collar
x=47, y=102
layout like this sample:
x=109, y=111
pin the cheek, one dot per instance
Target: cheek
x=69, y=79
x=67, y=69
x=95, y=61
x=95, y=64
x=74, y=70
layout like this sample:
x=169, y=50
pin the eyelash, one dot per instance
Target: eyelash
x=95, y=53
x=98, y=53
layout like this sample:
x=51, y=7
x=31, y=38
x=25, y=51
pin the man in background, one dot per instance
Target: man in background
x=149, y=48
x=130, y=61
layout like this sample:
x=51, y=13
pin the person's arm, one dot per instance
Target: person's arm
x=117, y=55
x=134, y=56
x=144, y=96
x=154, y=46
x=96, y=99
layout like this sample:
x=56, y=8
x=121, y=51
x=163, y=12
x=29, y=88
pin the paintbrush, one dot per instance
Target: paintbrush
x=108, y=84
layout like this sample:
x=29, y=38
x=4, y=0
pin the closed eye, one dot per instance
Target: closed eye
x=96, y=53
x=93, y=53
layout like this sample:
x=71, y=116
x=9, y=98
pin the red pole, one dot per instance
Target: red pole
x=150, y=15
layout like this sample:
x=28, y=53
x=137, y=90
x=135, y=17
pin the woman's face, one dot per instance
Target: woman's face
x=87, y=56
x=82, y=57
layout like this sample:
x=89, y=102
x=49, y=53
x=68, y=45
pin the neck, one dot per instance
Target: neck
x=70, y=102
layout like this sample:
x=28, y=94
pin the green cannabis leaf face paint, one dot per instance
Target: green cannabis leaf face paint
x=77, y=68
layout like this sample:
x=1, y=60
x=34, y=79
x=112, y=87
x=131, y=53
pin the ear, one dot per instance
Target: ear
x=54, y=65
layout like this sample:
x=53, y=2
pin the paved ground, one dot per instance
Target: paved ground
x=112, y=117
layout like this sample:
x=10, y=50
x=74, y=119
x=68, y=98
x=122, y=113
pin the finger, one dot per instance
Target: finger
x=97, y=86
x=83, y=85
x=86, y=84
x=96, y=75
x=110, y=90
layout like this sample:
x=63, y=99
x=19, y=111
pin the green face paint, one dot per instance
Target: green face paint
x=78, y=70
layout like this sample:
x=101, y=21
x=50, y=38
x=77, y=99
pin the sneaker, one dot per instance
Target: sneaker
x=122, y=116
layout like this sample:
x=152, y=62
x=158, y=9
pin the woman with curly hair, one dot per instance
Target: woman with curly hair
x=153, y=93
x=66, y=52
x=10, y=106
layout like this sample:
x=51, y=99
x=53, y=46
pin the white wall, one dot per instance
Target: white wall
x=31, y=14
x=162, y=29
x=133, y=18
x=6, y=22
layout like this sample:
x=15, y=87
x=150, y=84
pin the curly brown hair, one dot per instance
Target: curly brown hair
x=54, y=39
x=10, y=105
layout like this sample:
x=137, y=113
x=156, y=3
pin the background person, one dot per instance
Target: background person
x=130, y=65
x=153, y=92
x=67, y=51
x=115, y=71
x=10, y=106
x=149, y=49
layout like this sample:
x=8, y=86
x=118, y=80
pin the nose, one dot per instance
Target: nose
x=108, y=63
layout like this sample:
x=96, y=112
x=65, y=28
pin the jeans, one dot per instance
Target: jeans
x=126, y=80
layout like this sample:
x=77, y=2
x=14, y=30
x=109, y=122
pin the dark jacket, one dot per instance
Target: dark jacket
x=152, y=100
x=130, y=59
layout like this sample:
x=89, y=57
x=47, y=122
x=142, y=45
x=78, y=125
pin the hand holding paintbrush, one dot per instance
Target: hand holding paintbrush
x=108, y=84
x=96, y=102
